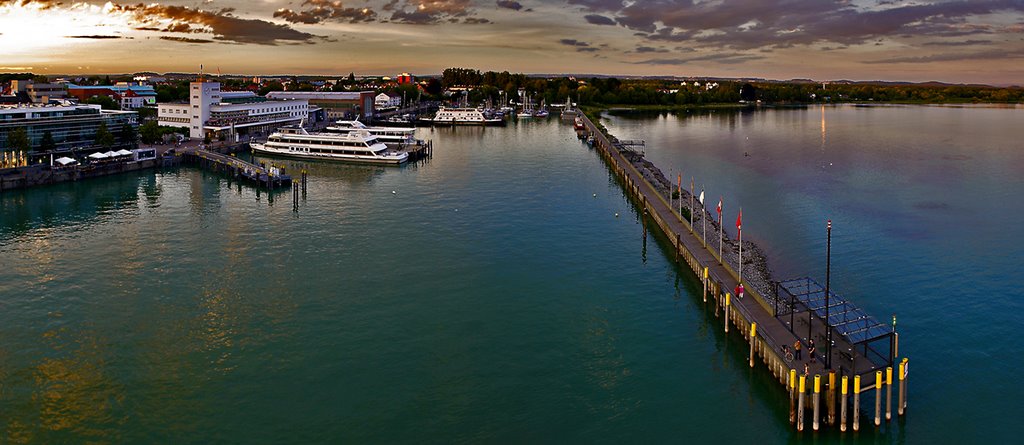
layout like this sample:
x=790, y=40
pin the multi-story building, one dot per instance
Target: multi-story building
x=129, y=96
x=210, y=111
x=338, y=105
x=69, y=126
x=39, y=93
x=385, y=101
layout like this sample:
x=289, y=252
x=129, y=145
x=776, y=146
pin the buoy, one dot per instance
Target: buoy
x=616, y=215
x=595, y=195
x=392, y=192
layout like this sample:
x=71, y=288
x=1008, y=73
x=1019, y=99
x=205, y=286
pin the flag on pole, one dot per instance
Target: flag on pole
x=739, y=222
x=719, y=209
x=702, y=195
x=679, y=181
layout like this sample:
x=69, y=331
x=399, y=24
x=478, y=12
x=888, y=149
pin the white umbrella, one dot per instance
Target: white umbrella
x=65, y=161
x=98, y=155
x=111, y=154
x=123, y=152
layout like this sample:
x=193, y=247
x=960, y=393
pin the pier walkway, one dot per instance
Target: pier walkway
x=270, y=177
x=771, y=333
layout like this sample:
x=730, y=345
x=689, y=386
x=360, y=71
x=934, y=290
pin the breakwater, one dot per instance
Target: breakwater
x=767, y=320
x=43, y=174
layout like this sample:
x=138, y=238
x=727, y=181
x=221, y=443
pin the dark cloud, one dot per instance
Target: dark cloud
x=650, y=49
x=957, y=43
x=573, y=42
x=185, y=39
x=952, y=57
x=221, y=23
x=429, y=12
x=96, y=37
x=722, y=58
x=597, y=19
x=748, y=24
x=510, y=4
x=316, y=11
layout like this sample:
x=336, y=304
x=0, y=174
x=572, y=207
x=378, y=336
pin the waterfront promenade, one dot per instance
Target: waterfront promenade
x=754, y=316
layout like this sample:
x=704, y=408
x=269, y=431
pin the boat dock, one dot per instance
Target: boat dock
x=270, y=177
x=863, y=354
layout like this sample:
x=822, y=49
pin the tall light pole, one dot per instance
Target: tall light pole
x=828, y=273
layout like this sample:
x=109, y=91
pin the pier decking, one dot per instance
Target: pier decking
x=767, y=328
x=269, y=177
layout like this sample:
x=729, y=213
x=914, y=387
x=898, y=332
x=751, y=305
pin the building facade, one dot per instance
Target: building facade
x=229, y=114
x=129, y=96
x=71, y=127
x=39, y=93
x=336, y=105
x=385, y=100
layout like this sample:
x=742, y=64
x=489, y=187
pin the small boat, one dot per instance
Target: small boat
x=461, y=116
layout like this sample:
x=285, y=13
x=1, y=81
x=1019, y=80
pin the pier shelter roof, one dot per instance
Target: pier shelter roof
x=847, y=319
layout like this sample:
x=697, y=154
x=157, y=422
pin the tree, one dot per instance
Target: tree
x=104, y=138
x=105, y=102
x=106, y=81
x=129, y=136
x=18, y=140
x=351, y=78
x=271, y=86
x=47, y=143
x=433, y=87
x=150, y=132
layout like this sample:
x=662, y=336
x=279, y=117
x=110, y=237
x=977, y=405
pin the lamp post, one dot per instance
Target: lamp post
x=828, y=273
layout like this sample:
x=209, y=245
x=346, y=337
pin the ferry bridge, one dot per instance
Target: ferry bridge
x=864, y=352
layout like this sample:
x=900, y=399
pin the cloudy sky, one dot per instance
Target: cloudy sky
x=952, y=41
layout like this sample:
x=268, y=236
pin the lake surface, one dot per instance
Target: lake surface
x=487, y=295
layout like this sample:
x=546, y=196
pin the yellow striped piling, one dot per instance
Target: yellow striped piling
x=831, y=397
x=753, y=340
x=903, y=387
x=800, y=404
x=842, y=407
x=878, y=398
x=817, y=398
x=856, y=402
x=792, y=396
x=888, y=393
x=726, y=318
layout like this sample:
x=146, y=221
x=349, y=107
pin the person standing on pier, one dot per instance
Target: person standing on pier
x=810, y=349
x=739, y=290
x=796, y=349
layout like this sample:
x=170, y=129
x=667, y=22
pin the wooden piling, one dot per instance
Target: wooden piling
x=753, y=341
x=878, y=398
x=902, y=404
x=792, y=396
x=705, y=284
x=800, y=404
x=842, y=407
x=726, y=318
x=817, y=397
x=830, y=397
x=888, y=393
x=856, y=403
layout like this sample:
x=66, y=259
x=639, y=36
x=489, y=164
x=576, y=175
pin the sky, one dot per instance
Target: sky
x=976, y=41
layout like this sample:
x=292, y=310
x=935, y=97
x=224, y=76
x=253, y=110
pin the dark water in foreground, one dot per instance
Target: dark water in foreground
x=492, y=297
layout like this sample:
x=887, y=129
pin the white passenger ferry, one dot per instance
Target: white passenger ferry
x=356, y=146
x=462, y=116
x=393, y=136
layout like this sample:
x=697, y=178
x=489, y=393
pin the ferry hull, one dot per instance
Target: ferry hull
x=352, y=159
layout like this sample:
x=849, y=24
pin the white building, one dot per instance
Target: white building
x=210, y=111
x=385, y=100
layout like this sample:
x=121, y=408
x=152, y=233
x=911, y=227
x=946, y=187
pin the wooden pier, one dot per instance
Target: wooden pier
x=768, y=329
x=271, y=177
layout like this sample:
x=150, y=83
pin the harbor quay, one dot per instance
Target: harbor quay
x=778, y=320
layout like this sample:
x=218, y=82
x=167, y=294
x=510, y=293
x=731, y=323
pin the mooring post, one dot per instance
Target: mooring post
x=903, y=387
x=830, y=397
x=792, y=395
x=705, y=284
x=888, y=393
x=800, y=404
x=817, y=397
x=753, y=340
x=878, y=398
x=726, y=318
x=856, y=403
x=842, y=407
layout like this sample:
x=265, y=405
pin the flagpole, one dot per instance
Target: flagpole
x=739, y=234
x=703, y=220
x=720, y=230
x=691, y=204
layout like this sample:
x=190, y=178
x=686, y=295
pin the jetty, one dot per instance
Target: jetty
x=862, y=357
x=271, y=177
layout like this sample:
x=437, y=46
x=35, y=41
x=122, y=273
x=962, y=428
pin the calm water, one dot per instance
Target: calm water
x=493, y=298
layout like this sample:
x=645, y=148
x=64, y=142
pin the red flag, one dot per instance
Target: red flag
x=719, y=208
x=739, y=221
x=679, y=180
